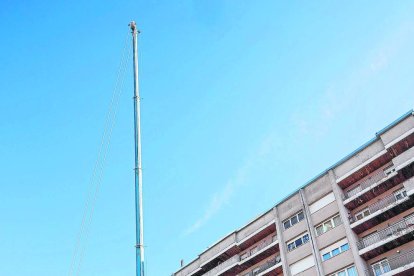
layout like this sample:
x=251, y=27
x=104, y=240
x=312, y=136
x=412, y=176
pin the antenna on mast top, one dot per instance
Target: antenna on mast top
x=133, y=27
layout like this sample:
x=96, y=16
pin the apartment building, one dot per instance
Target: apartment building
x=355, y=218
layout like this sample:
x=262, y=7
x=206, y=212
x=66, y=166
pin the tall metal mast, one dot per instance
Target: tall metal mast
x=138, y=166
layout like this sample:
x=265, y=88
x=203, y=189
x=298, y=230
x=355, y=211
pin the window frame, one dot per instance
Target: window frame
x=288, y=223
x=323, y=227
x=292, y=244
x=338, y=250
x=400, y=192
x=344, y=270
x=362, y=213
x=382, y=264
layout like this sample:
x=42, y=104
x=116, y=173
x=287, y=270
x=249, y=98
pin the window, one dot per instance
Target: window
x=254, y=250
x=381, y=267
x=293, y=220
x=328, y=225
x=349, y=271
x=332, y=252
x=256, y=271
x=344, y=247
x=400, y=194
x=362, y=214
x=297, y=242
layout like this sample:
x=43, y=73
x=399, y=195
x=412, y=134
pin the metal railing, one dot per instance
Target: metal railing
x=393, y=230
x=383, y=203
x=264, y=266
x=223, y=266
x=238, y=258
x=256, y=249
x=376, y=177
x=396, y=261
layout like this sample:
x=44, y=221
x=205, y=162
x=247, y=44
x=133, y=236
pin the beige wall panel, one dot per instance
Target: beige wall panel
x=294, y=230
x=289, y=207
x=403, y=159
x=318, y=189
x=325, y=213
x=309, y=272
x=359, y=158
x=331, y=236
x=398, y=130
x=299, y=253
x=340, y=261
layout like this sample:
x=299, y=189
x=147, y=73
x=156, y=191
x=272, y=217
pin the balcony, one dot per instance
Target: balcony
x=231, y=245
x=380, y=211
x=376, y=177
x=221, y=268
x=387, y=239
x=373, y=187
x=249, y=258
x=270, y=268
x=400, y=264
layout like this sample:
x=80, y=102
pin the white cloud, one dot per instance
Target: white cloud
x=222, y=197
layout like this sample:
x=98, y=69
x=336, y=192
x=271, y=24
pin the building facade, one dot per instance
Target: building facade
x=355, y=218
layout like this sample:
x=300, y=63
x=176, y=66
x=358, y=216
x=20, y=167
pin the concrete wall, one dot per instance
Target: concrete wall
x=352, y=163
x=289, y=207
x=299, y=253
x=309, y=272
x=317, y=189
x=395, y=132
x=295, y=230
x=325, y=213
x=331, y=236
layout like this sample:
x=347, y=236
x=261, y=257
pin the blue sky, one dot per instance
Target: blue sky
x=243, y=102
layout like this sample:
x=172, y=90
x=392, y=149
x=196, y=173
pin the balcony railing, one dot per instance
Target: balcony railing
x=223, y=266
x=395, y=262
x=366, y=183
x=256, y=249
x=395, y=229
x=228, y=263
x=263, y=267
x=383, y=203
